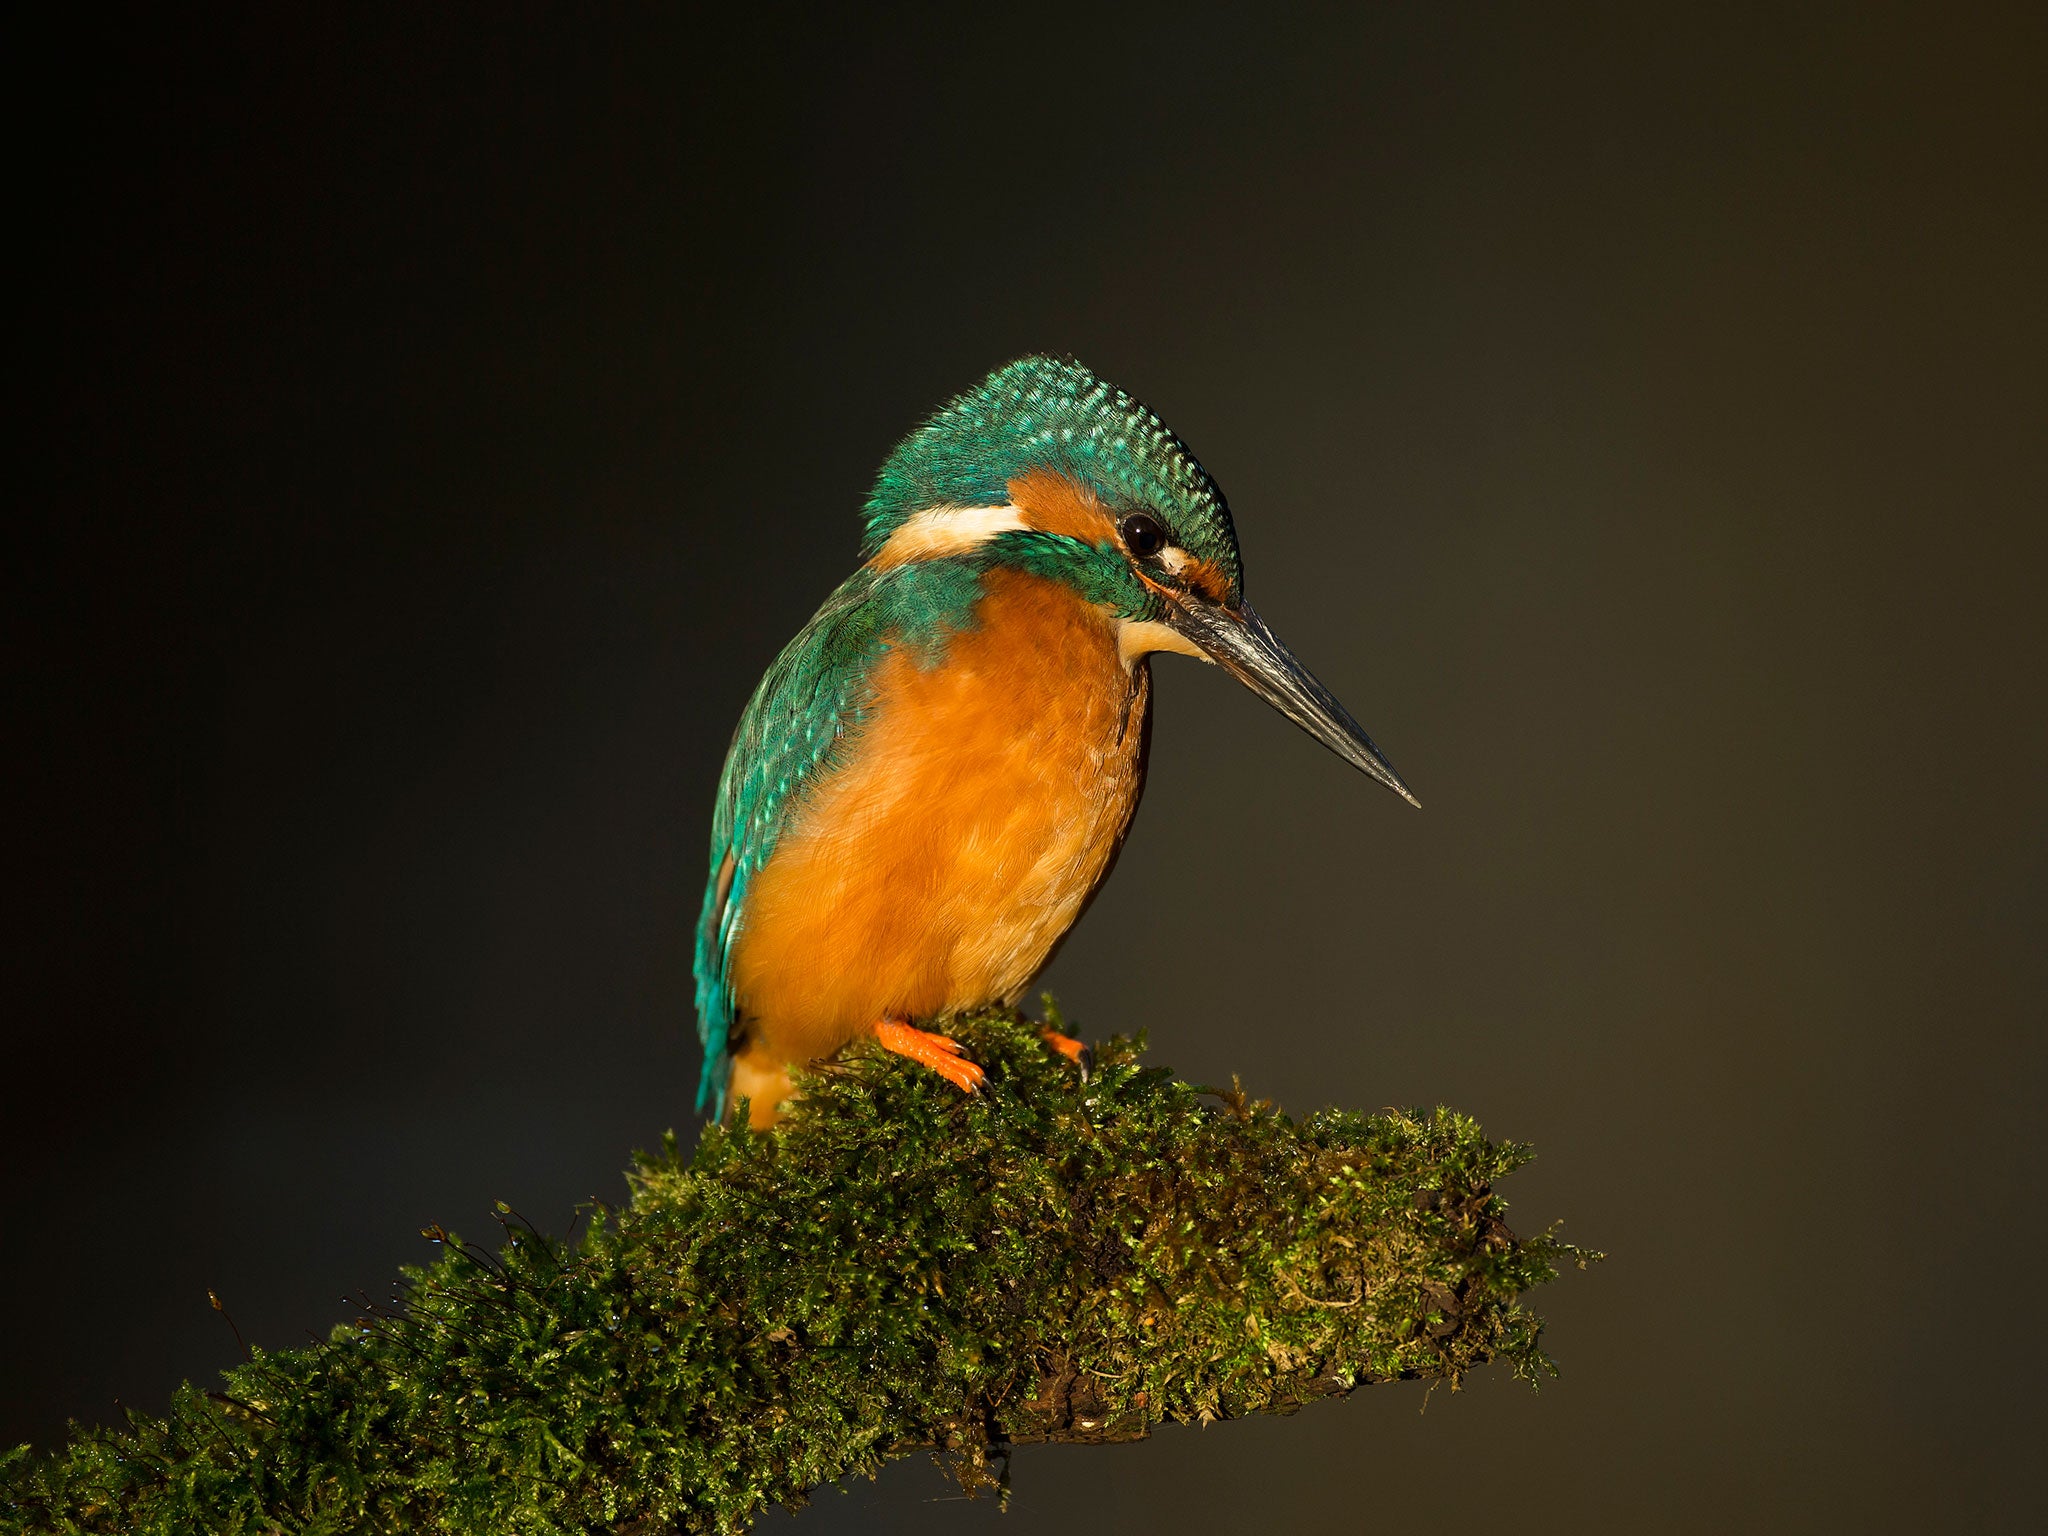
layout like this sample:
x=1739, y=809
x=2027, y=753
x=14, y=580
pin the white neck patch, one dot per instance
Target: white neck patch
x=938, y=531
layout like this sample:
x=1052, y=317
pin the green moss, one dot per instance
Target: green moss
x=899, y=1267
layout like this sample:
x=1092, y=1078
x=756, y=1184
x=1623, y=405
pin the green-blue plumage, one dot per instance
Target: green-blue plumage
x=805, y=717
x=799, y=723
x=1042, y=413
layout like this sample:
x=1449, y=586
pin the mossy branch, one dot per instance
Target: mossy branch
x=897, y=1268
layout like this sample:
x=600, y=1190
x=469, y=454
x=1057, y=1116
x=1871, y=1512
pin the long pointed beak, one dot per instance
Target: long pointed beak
x=1237, y=638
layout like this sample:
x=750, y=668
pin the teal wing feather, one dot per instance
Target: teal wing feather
x=801, y=723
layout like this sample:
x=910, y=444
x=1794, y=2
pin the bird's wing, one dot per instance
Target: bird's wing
x=796, y=729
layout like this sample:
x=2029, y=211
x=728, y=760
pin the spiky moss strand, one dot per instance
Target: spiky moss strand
x=898, y=1267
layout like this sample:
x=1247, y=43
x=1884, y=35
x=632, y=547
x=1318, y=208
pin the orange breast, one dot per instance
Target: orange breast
x=937, y=870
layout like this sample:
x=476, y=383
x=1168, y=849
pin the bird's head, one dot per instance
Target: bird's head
x=1046, y=467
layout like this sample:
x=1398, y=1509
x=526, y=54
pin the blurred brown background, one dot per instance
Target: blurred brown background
x=430, y=431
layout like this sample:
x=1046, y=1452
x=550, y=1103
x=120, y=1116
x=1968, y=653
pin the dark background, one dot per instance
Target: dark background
x=430, y=431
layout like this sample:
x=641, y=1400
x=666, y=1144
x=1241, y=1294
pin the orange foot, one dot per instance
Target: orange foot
x=929, y=1050
x=1074, y=1050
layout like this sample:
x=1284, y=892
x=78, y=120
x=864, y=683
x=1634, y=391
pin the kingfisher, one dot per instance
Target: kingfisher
x=935, y=775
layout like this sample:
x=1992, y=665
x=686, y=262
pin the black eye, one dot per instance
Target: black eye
x=1142, y=534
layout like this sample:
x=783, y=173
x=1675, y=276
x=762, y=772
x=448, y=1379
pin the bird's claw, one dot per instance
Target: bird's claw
x=938, y=1052
x=1077, y=1051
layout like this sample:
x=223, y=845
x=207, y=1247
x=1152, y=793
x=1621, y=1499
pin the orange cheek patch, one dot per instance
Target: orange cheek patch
x=1052, y=503
x=1207, y=578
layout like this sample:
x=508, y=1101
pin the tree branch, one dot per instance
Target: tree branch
x=897, y=1268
